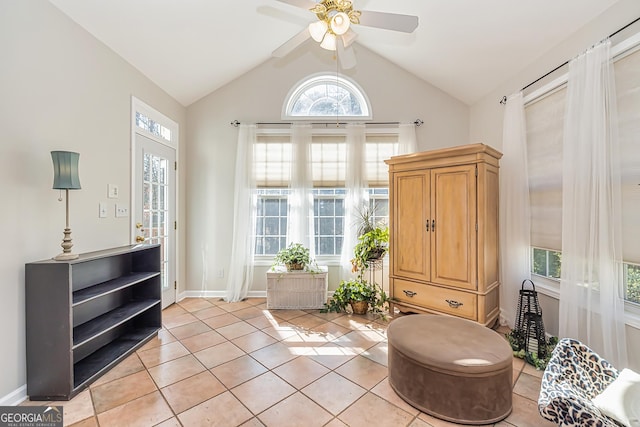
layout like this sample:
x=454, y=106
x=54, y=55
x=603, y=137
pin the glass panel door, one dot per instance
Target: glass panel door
x=155, y=206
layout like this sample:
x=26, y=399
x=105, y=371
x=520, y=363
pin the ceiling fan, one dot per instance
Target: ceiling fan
x=333, y=27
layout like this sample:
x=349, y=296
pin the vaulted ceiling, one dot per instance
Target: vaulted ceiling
x=465, y=47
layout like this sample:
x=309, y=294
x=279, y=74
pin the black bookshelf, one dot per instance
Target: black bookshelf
x=84, y=316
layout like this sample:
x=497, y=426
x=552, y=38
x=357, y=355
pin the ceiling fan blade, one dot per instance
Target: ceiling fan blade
x=288, y=46
x=304, y=4
x=346, y=56
x=389, y=21
x=349, y=37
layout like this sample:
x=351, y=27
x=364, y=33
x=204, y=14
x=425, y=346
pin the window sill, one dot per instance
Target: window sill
x=330, y=261
x=547, y=286
x=267, y=261
x=632, y=314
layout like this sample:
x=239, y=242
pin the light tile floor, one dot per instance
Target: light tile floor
x=239, y=364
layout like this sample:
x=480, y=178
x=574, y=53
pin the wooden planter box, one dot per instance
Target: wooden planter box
x=296, y=289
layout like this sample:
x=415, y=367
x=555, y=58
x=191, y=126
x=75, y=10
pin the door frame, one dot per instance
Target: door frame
x=138, y=105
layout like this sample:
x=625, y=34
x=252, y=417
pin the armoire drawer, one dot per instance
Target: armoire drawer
x=443, y=300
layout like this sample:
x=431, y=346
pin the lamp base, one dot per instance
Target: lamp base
x=67, y=244
x=65, y=257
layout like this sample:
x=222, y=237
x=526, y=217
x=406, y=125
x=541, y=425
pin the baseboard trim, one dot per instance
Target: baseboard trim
x=14, y=398
x=217, y=294
x=221, y=294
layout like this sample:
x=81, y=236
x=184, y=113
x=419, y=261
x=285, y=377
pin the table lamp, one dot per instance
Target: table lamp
x=65, y=177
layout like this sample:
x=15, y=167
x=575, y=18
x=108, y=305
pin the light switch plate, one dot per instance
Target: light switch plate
x=121, y=210
x=102, y=210
x=112, y=191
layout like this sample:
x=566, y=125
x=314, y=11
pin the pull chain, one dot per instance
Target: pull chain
x=60, y=196
x=337, y=81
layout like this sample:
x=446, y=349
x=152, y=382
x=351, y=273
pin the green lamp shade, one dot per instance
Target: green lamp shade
x=65, y=170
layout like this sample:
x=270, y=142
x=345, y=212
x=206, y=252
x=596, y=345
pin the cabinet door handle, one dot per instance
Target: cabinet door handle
x=410, y=294
x=453, y=303
x=433, y=225
x=426, y=225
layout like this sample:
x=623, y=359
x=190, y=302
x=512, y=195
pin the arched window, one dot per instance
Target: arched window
x=325, y=96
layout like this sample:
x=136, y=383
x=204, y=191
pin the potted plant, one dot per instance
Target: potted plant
x=294, y=257
x=371, y=246
x=516, y=339
x=366, y=221
x=359, y=294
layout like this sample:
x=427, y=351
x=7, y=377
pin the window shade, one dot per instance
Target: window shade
x=272, y=157
x=272, y=161
x=627, y=75
x=377, y=149
x=545, y=123
x=545, y=119
x=328, y=156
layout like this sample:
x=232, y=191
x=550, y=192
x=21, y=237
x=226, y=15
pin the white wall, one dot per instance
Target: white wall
x=486, y=116
x=59, y=89
x=258, y=96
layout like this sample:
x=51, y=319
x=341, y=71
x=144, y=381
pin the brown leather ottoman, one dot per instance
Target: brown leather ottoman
x=451, y=368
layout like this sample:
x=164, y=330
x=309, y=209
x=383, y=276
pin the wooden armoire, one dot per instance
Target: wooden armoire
x=443, y=222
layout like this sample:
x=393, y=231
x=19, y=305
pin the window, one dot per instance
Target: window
x=153, y=127
x=328, y=217
x=271, y=220
x=153, y=124
x=326, y=96
x=321, y=96
x=632, y=282
x=546, y=263
x=272, y=163
x=379, y=205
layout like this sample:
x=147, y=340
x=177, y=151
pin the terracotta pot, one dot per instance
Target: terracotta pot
x=359, y=307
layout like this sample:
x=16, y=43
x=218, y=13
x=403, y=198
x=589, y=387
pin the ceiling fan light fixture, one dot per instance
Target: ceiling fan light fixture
x=354, y=16
x=340, y=23
x=333, y=28
x=329, y=41
x=317, y=30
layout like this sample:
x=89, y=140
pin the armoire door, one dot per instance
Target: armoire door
x=411, y=226
x=454, y=234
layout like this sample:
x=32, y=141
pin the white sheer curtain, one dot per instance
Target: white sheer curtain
x=407, y=141
x=515, y=212
x=300, y=218
x=240, y=276
x=591, y=301
x=357, y=196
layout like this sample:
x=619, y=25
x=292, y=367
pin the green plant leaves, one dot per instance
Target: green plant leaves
x=356, y=290
x=295, y=253
x=373, y=244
